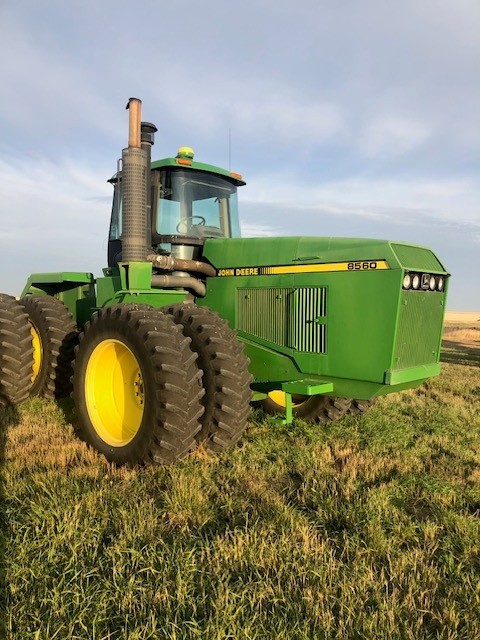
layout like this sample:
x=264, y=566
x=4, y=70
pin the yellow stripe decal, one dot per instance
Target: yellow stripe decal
x=355, y=265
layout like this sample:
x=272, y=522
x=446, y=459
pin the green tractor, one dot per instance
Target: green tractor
x=190, y=323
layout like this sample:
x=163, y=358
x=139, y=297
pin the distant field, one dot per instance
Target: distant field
x=462, y=317
x=461, y=342
x=366, y=529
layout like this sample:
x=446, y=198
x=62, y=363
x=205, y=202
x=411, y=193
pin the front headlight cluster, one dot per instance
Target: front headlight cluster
x=423, y=282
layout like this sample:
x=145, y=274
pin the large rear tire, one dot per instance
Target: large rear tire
x=359, y=407
x=136, y=386
x=320, y=408
x=16, y=352
x=226, y=378
x=55, y=336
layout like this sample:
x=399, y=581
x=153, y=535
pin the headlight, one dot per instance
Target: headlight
x=440, y=283
x=415, y=281
x=407, y=281
x=432, y=283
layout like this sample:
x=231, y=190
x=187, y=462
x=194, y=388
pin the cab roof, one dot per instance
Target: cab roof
x=185, y=163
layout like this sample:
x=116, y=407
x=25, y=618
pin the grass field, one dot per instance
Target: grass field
x=366, y=529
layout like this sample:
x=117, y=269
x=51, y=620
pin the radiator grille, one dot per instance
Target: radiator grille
x=419, y=328
x=289, y=317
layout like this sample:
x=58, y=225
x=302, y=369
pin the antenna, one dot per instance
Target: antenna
x=229, y=148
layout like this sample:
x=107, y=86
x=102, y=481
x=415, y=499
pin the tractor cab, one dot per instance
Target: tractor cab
x=189, y=201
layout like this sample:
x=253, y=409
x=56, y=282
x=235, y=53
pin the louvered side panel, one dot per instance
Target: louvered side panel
x=307, y=328
x=264, y=313
x=293, y=318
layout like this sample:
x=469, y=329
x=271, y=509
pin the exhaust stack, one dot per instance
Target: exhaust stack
x=135, y=173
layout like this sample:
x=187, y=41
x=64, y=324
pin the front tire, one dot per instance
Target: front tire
x=16, y=352
x=136, y=386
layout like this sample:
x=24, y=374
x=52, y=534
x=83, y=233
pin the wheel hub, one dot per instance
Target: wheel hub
x=114, y=392
x=37, y=352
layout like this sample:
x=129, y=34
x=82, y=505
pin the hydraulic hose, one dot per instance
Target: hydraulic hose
x=170, y=263
x=183, y=282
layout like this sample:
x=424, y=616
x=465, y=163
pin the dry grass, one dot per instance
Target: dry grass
x=366, y=529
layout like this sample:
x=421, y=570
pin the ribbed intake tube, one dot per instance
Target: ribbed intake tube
x=170, y=263
x=134, y=187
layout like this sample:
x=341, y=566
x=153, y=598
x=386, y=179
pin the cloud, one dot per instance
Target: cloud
x=440, y=200
x=253, y=230
x=51, y=219
x=358, y=117
x=393, y=135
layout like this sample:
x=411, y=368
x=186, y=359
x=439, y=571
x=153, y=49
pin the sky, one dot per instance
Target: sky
x=346, y=118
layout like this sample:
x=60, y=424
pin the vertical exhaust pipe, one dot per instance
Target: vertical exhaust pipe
x=135, y=174
x=134, y=106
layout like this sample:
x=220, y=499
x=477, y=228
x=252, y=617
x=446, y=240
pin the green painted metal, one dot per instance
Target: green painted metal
x=288, y=317
x=258, y=395
x=369, y=325
x=417, y=258
x=300, y=387
x=135, y=276
x=288, y=417
x=253, y=252
x=56, y=281
x=307, y=387
x=420, y=372
x=75, y=289
x=415, y=343
x=130, y=283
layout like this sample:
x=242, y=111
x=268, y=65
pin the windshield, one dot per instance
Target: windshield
x=196, y=204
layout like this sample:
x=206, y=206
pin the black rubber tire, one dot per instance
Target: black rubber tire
x=170, y=380
x=226, y=378
x=359, y=407
x=16, y=352
x=58, y=335
x=320, y=408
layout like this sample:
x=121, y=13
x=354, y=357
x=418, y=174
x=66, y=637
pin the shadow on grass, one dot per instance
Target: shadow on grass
x=67, y=408
x=455, y=352
x=8, y=417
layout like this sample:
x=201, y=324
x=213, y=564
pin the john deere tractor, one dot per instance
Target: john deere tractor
x=190, y=322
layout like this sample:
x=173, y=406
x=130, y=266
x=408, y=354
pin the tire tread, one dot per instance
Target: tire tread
x=16, y=352
x=226, y=377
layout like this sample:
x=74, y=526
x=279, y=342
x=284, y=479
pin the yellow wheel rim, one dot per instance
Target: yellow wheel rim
x=279, y=398
x=37, y=353
x=114, y=392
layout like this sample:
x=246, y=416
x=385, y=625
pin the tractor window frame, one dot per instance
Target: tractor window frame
x=204, y=183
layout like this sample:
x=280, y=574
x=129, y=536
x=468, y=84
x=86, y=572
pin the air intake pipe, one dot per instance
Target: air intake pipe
x=147, y=137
